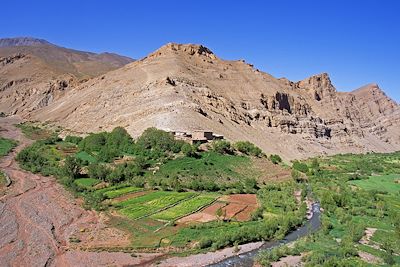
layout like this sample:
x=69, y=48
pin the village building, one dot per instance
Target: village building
x=197, y=137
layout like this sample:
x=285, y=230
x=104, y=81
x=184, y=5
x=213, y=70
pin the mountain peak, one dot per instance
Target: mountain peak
x=23, y=41
x=189, y=49
x=320, y=85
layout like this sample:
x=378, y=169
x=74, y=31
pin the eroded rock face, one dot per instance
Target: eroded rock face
x=187, y=87
x=318, y=86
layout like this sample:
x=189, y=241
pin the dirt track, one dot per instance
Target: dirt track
x=38, y=217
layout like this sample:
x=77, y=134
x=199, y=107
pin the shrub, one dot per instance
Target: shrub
x=300, y=166
x=276, y=159
x=248, y=148
x=73, y=139
x=222, y=147
x=189, y=150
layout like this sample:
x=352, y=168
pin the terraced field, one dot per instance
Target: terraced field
x=151, y=203
x=186, y=207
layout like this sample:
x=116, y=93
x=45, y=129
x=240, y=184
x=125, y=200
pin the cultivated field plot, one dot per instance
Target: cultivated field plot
x=230, y=207
x=388, y=183
x=151, y=203
x=186, y=207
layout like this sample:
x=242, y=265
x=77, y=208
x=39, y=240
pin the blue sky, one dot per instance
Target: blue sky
x=356, y=42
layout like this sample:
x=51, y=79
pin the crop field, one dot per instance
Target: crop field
x=121, y=191
x=222, y=168
x=185, y=207
x=386, y=183
x=150, y=203
x=86, y=182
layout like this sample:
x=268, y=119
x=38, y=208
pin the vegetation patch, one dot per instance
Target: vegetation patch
x=151, y=203
x=185, y=208
x=34, y=131
x=6, y=145
x=384, y=183
x=121, y=191
x=86, y=182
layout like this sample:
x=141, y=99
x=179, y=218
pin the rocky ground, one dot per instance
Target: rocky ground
x=38, y=217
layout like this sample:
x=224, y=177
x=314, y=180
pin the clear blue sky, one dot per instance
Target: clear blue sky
x=356, y=42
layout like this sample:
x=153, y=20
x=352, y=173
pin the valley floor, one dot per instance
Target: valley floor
x=38, y=216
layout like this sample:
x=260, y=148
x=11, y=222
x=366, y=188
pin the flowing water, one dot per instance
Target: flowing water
x=247, y=259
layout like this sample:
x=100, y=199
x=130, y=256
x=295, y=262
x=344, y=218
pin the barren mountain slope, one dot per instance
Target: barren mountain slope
x=34, y=72
x=186, y=87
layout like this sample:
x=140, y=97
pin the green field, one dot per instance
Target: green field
x=83, y=155
x=86, y=182
x=121, y=191
x=6, y=145
x=185, y=207
x=209, y=171
x=356, y=192
x=386, y=183
x=150, y=203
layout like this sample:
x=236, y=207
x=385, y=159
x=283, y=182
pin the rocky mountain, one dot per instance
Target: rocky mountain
x=187, y=87
x=34, y=72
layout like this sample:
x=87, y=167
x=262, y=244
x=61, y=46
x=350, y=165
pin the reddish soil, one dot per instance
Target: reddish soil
x=238, y=207
x=40, y=221
x=211, y=210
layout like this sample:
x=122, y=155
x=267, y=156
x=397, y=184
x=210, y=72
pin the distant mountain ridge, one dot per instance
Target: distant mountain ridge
x=34, y=72
x=23, y=41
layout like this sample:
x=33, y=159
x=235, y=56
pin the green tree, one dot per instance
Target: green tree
x=72, y=167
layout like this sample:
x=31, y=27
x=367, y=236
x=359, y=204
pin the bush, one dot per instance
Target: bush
x=222, y=147
x=189, y=150
x=155, y=139
x=72, y=167
x=248, y=148
x=276, y=159
x=300, y=166
x=73, y=139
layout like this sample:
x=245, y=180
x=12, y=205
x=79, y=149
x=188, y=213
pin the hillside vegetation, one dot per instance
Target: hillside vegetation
x=154, y=181
x=360, y=196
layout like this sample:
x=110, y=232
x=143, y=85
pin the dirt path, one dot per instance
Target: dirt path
x=38, y=217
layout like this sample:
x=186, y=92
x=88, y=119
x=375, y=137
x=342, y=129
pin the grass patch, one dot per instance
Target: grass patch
x=3, y=180
x=6, y=145
x=83, y=155
x=386, y=183
x=34, y=132
x=86, y=182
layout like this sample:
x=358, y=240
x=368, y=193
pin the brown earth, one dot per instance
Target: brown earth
x=40, y=221
x=238, y=206
x=187, y=87
x=34, y=72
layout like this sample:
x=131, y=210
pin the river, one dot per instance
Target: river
x=247, y=259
